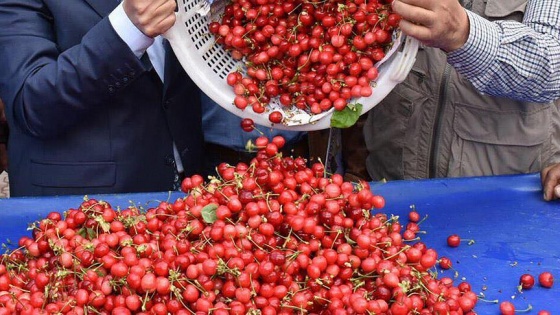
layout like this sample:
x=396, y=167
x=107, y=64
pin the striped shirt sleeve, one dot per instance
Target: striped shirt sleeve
x=511, y=59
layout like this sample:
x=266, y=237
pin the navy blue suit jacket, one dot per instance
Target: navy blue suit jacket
x=86, y=115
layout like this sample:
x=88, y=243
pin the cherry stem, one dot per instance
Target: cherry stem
x=529, y=307
x=488, y=301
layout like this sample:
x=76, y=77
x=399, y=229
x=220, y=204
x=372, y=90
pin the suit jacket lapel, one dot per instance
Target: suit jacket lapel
x=103, y=7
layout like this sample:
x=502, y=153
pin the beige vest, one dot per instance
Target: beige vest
x=436, y=124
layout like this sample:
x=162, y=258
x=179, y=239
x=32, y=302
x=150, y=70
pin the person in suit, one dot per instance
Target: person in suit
x=95, y=99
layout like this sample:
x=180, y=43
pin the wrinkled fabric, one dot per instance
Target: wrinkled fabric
x=437, y=124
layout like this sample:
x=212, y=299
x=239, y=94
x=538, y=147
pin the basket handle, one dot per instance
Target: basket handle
x=172, y=31
x=405, y=59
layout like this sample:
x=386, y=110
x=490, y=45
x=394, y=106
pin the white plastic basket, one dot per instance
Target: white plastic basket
x=208, y=64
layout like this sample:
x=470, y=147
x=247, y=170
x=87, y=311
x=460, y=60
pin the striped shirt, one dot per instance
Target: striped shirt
x=516, y=60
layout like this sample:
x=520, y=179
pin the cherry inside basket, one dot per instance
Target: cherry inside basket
x=204, y=57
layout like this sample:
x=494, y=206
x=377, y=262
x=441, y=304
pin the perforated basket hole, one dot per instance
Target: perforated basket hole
x=189, y=5
x=219, y=61
x=215, y=56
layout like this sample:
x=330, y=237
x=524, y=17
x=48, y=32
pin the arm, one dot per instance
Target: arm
x=501, y=58
x=516, y=60
x=46, y=90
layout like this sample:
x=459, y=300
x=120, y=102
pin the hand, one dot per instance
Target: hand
x=550, y=180
x=151, y=17
x=437, y=23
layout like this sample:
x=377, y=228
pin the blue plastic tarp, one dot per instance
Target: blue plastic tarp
x=513, y=229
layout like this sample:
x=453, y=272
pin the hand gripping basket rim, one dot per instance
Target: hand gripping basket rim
x=208, y=65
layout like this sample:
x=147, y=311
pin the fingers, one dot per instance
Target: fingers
x=438, y=23
x=550, y=179
x=544, y=173
x=167, y=23
x=428, y=4
x=547, y=195
x=165, y=14
x=413, y=13
x=415, y=21
x=417, y=31
x=151, y=17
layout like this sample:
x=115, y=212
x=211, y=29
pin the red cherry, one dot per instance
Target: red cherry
x=526, y=281
x=546, y=279
x=445, y=263
x=275, y=117
x=247, y=124
x=453, y=240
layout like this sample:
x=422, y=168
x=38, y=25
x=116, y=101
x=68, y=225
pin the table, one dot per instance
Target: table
x=513, y=229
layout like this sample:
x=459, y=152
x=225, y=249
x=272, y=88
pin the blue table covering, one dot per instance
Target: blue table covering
x=513, y=229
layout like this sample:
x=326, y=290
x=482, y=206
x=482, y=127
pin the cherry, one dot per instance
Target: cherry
x=269, y=236
x=546, y=279
x=445, y=263
x=247, y=124
x=314, y=46
x=453, y=240
x=279, y=141
x=507, y=308
x=413, y=216
x=526, y=281
x=378, y=202
x=275, y=117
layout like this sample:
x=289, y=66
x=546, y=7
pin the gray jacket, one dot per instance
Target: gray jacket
x=436, y=124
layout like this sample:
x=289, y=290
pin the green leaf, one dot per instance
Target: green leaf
x=91, y=233
x=102, y=223
x=349, y=240
x=346, y=117
x=82, y=232
x=209, y=213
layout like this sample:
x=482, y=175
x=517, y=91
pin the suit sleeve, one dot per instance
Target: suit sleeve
x=46, y=90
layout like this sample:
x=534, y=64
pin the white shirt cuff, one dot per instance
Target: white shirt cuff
x=128, y=32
